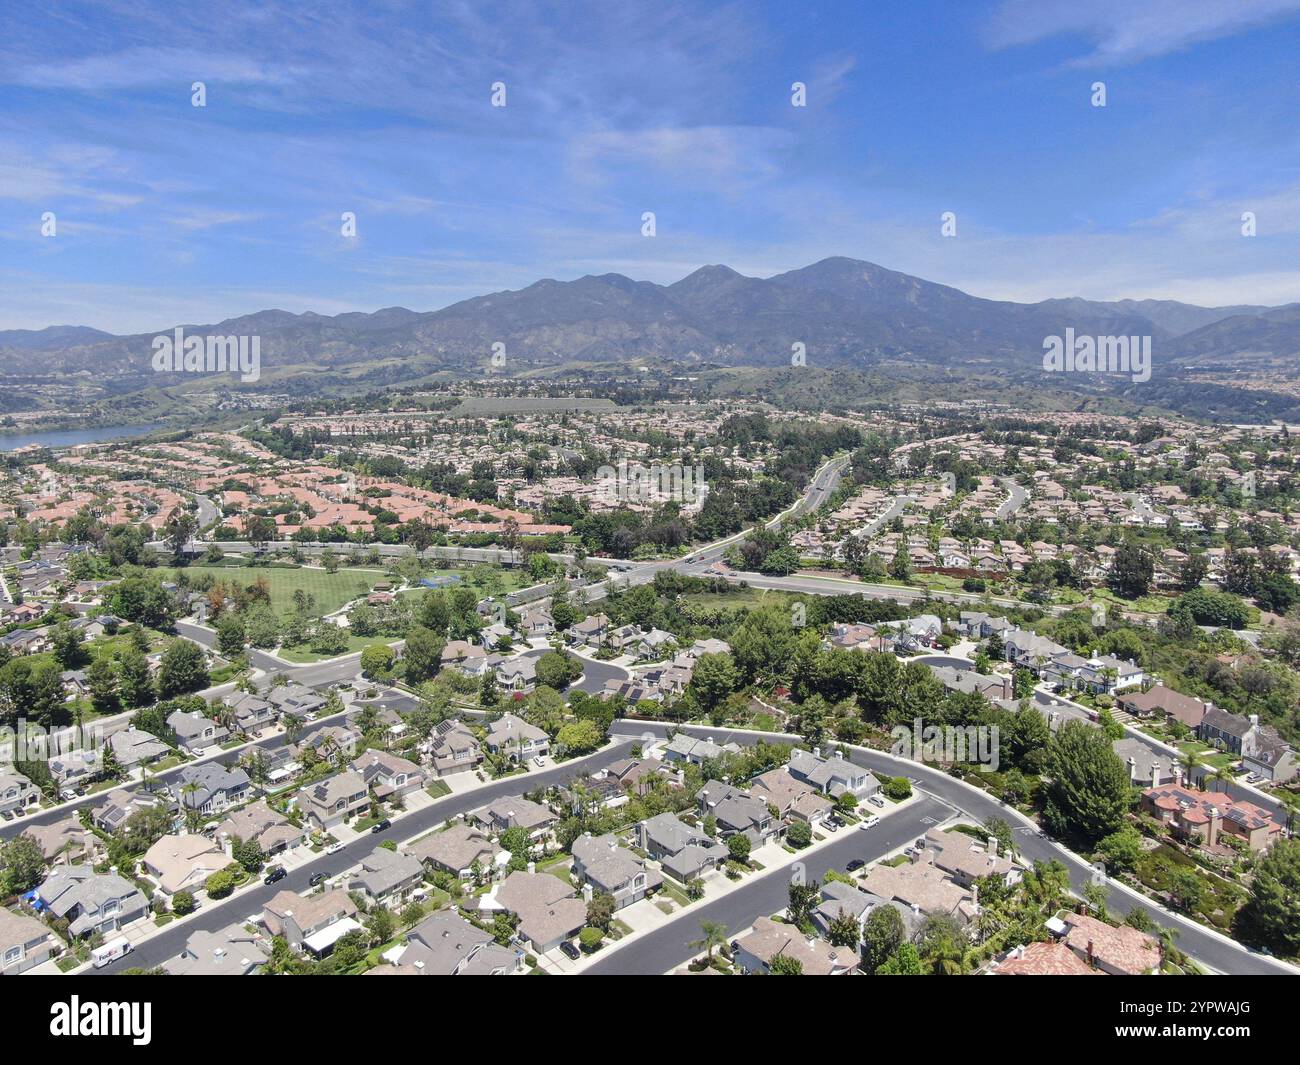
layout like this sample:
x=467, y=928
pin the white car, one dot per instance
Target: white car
x=334, y=848
x=539, y=761
x=876, y=800
x=870, y=822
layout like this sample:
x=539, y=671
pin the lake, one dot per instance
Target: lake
x=72, y=437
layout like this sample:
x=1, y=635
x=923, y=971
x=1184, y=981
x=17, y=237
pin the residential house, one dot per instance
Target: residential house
x=195, y=733
x=684, y=748
x=1116, y=950
x=18, y=795
x=332, y=801
x=387, y=876
x=684, y=852
x=1042, y=959
x=514, y=811
x=795, y=800
x=1205, y=817
x=229, y=951
x=389, y=776
x=258, y=823
x=609, y=867
x=25, y=943
x=767, y=938
x=134, y=747
x=90, y=901
x=589, y=632
x=834, y=776
x=738, y=812
x=1165, y=703
x=458, y=850
x=548, y=909
x=184, y=863
x=210, y=787
x=516, y=738
x=445, y=944
x=311, y=922
x=453, y=748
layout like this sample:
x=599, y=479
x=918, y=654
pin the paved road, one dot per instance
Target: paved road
x=594, y=674
x=670, y=946
x=1019, y=496
x=171, y=940
x=1218, y=953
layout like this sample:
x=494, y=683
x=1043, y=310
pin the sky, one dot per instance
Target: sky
x=165, y=213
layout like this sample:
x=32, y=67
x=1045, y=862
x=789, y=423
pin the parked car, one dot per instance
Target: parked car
x=380, y=826
x=316, y=878
x=570, y=951
x=876, y=800
x=334, y=848
x=539, y=761
x=854, y=865
x=276, y=872
x=870, y=822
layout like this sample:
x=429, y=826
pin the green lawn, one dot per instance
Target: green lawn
x=330, y=590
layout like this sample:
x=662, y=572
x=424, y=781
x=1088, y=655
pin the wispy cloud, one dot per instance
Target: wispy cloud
x=1122, y=31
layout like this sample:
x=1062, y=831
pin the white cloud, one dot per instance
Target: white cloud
x=1124, y=30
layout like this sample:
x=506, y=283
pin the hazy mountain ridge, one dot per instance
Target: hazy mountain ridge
x=846, y=312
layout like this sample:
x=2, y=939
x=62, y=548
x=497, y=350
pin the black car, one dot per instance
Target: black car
x=379, y=826
x=276, y=872
x=570, y=950
x=316, y=878
x=855, y=865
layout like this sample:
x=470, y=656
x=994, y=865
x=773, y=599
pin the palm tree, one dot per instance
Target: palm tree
x=715, y=935
x=1222, y=777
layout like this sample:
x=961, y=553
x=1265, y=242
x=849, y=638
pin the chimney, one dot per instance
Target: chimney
x=993, y=847
x=532, y=867
x=587, y=892
x=1212, y=834
x=1178, y=775
x=1155, y=774
x=1091, y=957
x=1006, y=687
x=1132, y=769
x=817, y=752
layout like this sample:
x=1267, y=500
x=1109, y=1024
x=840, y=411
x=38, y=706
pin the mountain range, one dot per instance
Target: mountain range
x=847, y=313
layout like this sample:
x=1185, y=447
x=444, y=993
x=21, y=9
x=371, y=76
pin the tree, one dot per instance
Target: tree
x=182, y=903
x=803, y=900
x=101, y=678
x=1268, y=919
x=377, y=661
x=941, y=942
x=183, y=669
x=381, y=924
x=882, y=936
x=1088, y=794
x=230, y=635
x=799, y=834
x=600, y=910
x=1186, y=890
x=905, y=961
x=555, y=670
x=422, y=654
x=784, y=965
x=1132, y=571
x=738, y=846
x=22, y=864
x=714, y=936
x=843, y=930
x=713, y=680
x=579, y=737
x=1121, y=850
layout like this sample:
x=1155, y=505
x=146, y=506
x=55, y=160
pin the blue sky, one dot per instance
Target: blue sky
x=170, y=213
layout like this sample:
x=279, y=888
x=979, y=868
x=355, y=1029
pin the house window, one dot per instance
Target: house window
x=13, y=955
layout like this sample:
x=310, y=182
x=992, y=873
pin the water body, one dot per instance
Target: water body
x=72, y=437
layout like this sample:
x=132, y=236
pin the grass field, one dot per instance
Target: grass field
x=330, y=590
